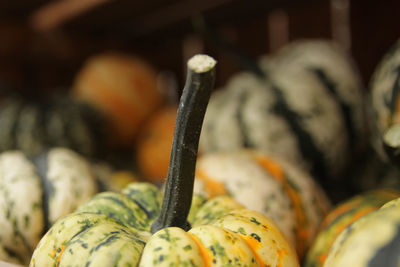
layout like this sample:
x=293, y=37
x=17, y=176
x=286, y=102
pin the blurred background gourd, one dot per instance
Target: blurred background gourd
x=310, y=83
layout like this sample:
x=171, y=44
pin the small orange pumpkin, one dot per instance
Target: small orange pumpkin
x=124, y=88
x=154, y=142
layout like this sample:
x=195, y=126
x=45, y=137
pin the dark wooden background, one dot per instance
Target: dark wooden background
x=42, y=48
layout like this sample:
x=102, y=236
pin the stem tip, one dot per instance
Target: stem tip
x=201, y=63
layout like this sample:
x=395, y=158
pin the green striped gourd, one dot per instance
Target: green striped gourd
x=33, y=127
x=275, y=187
x=373, y=240
x=130, y=229
x=341, y=217
x=308, y=111
x=337, y=71
x=35, y=194
x=384, y=109
x=114, y=230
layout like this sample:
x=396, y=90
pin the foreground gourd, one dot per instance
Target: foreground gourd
x=341, y=217
x=114, y=229
x=373, y=240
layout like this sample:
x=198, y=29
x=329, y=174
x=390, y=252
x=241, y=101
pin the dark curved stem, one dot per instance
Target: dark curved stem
x=179, y=186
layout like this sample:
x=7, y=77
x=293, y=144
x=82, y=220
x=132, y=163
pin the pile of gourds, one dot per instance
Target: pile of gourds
x=130, y=229
x=264, y=147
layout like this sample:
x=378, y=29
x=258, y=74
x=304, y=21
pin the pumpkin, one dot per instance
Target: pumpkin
x=33, y=195
x=288, y=112
x=270, y=185
x=341, y=217
x=337, y=71
x=373, y=240
x=384, y=104
x=32, y=126
x=131, y=230
x=122, y=87
x=153, y=144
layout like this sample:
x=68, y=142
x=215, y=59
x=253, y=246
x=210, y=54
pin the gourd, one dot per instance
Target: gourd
x=373, y=240
x=339, y=74
x=35, y=195
x=270, y=185
x=34, y=126
x=123, y=88
x=114, y=230
x=287, y=113
x=384, y=105
x=153, y=144
x=341, y=217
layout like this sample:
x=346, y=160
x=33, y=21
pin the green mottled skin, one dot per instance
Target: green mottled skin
x=197, y=202
x=118, y=207
x=28, y=203
x=213, y=209
x=72, y=182
x=147, y=196
x=231, y=252
x=21, y=218
x=113, y=230
x=171, y=247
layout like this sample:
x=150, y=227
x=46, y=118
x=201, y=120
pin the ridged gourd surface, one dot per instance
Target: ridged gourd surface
x=113, y=230
x=34, y=196
x=270, y=185
x=308, y=110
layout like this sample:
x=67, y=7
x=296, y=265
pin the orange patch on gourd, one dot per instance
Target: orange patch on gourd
x=53, y=253
x=277, y=172
x=123, y=88
x=281, y=254
x=342, y=209
x=355, y=217
x=212, y=186
x=322, y=257
x=207, y=258
x=60, y=255
x=254, y=246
